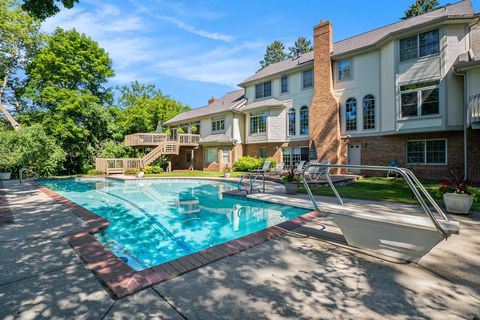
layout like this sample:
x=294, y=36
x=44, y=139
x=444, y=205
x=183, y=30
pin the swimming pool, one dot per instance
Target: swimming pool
x=156, y=221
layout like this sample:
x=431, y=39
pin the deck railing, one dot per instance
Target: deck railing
x=188, y=138
x=475, y=107
x=152, y=139
x=116, y=165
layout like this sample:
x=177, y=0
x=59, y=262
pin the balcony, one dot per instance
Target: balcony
x=155, y=139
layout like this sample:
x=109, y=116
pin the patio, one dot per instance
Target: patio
x=303, y=275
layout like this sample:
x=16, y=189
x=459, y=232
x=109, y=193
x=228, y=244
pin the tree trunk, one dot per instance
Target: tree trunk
x=4, y=110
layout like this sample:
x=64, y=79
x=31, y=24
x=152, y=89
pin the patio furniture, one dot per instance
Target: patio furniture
x=393, y=173
x=314, y=174
x=278, y=169
x=265, y=168
x=299, y=167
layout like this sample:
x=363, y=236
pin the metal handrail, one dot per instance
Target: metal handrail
x=20, y=174
x=252, y=180
x=409, y=177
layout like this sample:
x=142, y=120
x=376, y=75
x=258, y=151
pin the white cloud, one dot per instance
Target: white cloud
x=202, y=33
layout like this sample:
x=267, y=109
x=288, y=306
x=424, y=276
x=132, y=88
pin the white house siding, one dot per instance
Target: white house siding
x=365, y=80
x=388, y=113
x=276, y=125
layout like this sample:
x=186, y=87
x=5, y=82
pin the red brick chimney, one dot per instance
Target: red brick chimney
x=324, y=111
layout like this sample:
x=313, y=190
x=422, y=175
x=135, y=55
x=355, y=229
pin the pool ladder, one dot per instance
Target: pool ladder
x=252, y=178
x=26, y=170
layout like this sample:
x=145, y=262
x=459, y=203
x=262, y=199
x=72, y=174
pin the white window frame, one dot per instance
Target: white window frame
x=303, y=79
x=339, y=70
x=374, y=112
x=284, y=77
x=356, y=114
x=257, y=115
x=218, y=125
x=302, y=109
x=206, y=153
x=225, y=154
x=420, y=100
x=417, y=37
x=263, y=95
x=294, y=112
x=425, y=162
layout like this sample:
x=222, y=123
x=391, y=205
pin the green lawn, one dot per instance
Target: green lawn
x=382, y=189
x=194, y=173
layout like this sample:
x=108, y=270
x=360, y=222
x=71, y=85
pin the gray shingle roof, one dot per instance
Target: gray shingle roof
x=271, y=102
x=367, y=39
x=223, y=104
x=375, y=36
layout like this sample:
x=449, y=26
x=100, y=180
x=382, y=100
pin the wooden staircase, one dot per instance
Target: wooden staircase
x=162, y=143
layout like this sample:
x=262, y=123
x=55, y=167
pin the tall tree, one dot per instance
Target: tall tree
x=420, y=7
x=143, y=107
x=19, y=38
x=301, y=46
x=66, y=83
x=42, y=9
x=275, y=53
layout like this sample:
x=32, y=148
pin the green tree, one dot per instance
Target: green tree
x=275, y=53
x=114, y=149
x=66, y=83
x=30, y=147
x=301, y=46
x=420, y=7
x=142, y=107
x=19, y=39
x=42, y=9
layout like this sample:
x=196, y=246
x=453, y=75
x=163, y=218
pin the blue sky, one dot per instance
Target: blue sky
x=193, y=50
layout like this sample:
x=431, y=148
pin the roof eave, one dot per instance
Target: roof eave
x=273, y=75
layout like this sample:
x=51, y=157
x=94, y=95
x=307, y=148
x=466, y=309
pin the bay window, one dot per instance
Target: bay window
x=258, y=123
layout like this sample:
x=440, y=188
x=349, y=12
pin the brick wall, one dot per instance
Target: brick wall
x=274, y=150
x=324, y=116
x=383, y=149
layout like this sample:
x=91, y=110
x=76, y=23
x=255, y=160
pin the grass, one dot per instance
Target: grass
x=194, y=173
x=383, y=189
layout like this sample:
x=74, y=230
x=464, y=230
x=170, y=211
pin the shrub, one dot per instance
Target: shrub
x=113, y=149
x=248, y=163
x=153, y=169
x=180, y=131
x=94, y=172
x=131, y=172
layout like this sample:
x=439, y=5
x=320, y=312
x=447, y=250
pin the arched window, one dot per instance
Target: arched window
x=368, y=112
x=304, y=120
x=351, y=114
x=292, y=122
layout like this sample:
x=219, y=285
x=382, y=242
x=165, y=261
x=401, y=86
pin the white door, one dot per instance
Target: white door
x=354, y=157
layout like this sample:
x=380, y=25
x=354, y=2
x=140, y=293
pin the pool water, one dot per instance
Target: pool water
x=155, y=221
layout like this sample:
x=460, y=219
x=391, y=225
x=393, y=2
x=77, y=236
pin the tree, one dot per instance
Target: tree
x=19, y=39
x=42, y=9
x=421, y=7
x=275, y=53
x=66, y=82
x=142, y=107
x=301, y=46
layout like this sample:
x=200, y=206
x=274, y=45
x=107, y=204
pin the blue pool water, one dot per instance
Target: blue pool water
x=155, y=221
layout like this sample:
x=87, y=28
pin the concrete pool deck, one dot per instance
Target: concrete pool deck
x=301, y=275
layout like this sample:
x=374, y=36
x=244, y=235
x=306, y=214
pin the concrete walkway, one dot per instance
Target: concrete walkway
x=299, y=276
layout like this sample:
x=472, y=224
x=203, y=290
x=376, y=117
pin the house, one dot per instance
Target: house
x=408, y=92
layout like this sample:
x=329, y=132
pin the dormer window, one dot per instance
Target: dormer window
x=284, y=84
x=263, y=90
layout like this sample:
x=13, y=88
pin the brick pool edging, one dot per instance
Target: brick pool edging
x=122, y=280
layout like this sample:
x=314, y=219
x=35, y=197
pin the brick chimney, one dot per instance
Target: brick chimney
x=212, y=100
x=324, y=111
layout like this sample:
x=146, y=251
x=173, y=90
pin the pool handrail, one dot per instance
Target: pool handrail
x=23, y=170
x=407, y=174
x=252, y=180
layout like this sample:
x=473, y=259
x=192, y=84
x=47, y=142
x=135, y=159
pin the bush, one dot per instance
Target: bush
x=94, y=172
x=113, y=149
x=131, y=172
x=248, y=163
x=153, y=169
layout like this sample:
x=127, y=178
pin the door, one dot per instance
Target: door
x=354, y=157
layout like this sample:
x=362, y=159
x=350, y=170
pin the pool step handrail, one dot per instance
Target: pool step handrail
x=415, y=185
x=251, y=181
x=21, y=173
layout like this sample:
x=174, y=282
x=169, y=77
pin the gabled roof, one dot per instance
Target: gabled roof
x=225, y=103
x=460, y=9
x=270, y=102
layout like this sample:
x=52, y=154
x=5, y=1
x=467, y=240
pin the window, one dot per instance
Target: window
x=368, y=112
x=351, y=114
x=429, y=43
x=408, y=48
x=304, y=120
x=258, y=123
x=421, y=45
x=427, y=152
x=284, y=84
x=344, y=70
x=225, y=155
x=420, y=99
x=307, y=79
x=218, y=125
x=263, y=90
x=263, y=152
x=292, y=156
x=291, y=122
x=211, y=155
